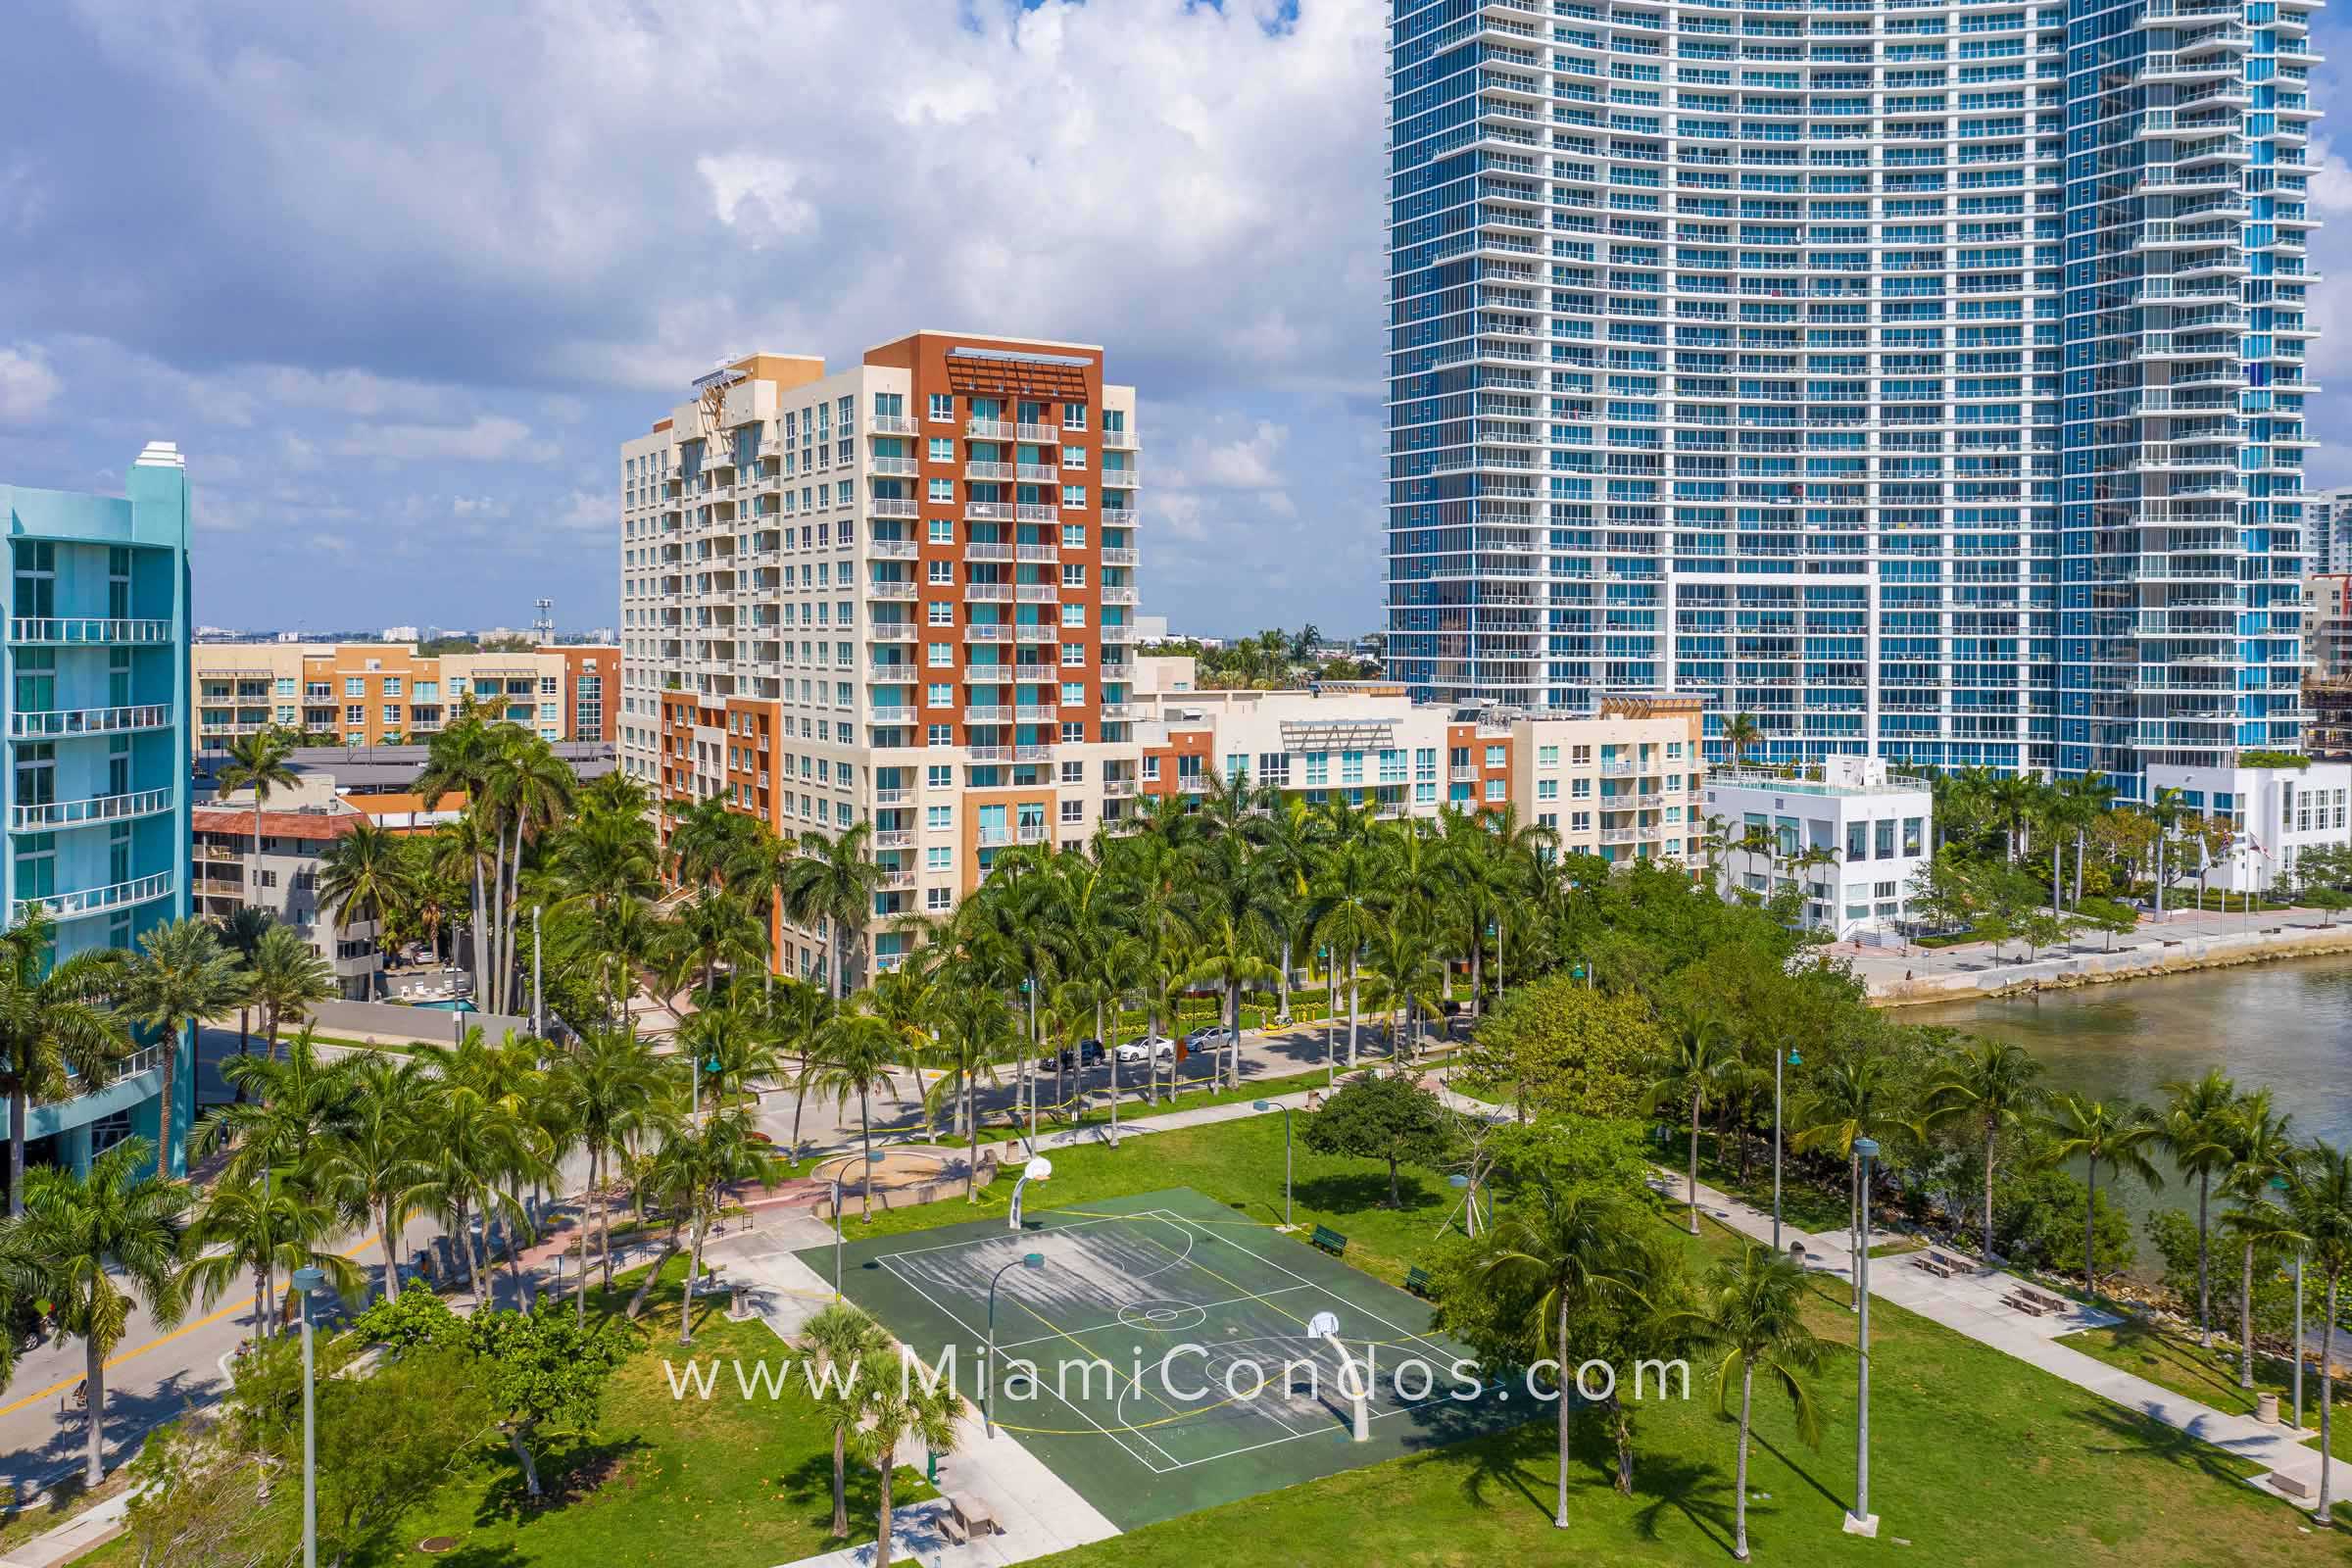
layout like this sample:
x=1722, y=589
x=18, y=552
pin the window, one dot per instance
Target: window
x=943, y=449
x=942, y=530
x=1073, y=614
x=1073, y=536
x=940, y=696
x=1883, y=832
x=1073, y=812
x=940, y=572
x=940, y=613
x=1074, y=456
x=1548, y=789
x=942, y=404
x=391, y=685
x=1580, y=821
x=938, y=899
x=1073, y=694
x=354, y=686
x=938, y=858
x=1494, y=788
x=1548, y=756
x=942, y=492
x=937, y=775
x=1857, y=841
x=938, y=818
x=940, y=735
x=355, y=714
x=1073, y=574
x=1497, y=755
x=1073, y=654
x=940, y=656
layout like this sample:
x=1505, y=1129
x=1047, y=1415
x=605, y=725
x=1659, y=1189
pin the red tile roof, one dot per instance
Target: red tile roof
x=237, y=823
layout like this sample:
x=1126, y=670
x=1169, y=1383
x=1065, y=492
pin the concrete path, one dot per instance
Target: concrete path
x=2181, y=940
x=1970, y=1305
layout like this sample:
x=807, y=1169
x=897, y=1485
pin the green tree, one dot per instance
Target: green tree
x=95, y=1246
x=832, y=884
x=891, y=1409
x=2098, y=1134
x=1741, y=735
x=2108, y=917
x=2261, y=1152
x=179, y=977
x=1345, y=915
x=258, y=762
x=1684, y=1073
x=285, y=978
x=371, y=1163
x=2194, y=1131
x=1388, y=1118
x=844, y=1343
x=366, y=878
x=57, y=1026
x=610, y=1081
x=2319, y=1194
x=976, y=1033
x=855, y=1056
x=1560, y=1046
x=1993, y=1089
x=696, y=1164
x=1572, y=1254
x=250, y=1229
x=1752, y=1309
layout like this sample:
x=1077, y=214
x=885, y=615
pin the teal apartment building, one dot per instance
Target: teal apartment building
x=96, y=788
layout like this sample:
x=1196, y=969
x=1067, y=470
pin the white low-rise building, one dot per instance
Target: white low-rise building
x=2275, y=815
x=1854, y=836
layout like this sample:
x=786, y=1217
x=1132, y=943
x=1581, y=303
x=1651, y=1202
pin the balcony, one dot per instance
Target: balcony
x=77, y=629
x=895, y=839
x=879, y=715
x=893, y=796
x=987, y=713
x=1043, y=433
x=891, y=506
x=988, y=470
x=1124, y=478
x=90, y=721
x=988, y=512
x=1121, y=440
x=894, y=549
x=1118, y=635
x=95, y=809
x=899, y=674
x=988, y=633
x=988, y=553
x=890, y=424
x=890, y=589
x=891, y=632
x=97, y=901
x=1038, y=555
x=1119, y=516
x=988, y=429
x=894, y=881
x=1036, y=593
x=1032, y=512
x=1118, y=787
x=1118, y=558
x=1118, y=596
x=988, y=593
x=897, y=468
x=1033, y=753
x=1037, y=634
x=1036, y=472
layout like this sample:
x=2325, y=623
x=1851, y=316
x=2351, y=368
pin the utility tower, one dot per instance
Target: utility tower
x=543, y=624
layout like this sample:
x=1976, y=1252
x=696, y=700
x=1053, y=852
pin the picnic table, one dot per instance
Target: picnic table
x=968, y=1516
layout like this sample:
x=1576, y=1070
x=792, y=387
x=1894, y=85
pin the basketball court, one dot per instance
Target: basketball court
x=1175, y=1366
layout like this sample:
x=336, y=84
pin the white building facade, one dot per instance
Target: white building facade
x=2274, y=813
x=1853, y=838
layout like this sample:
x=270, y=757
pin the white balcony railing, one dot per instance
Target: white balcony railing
x=90, y=720
x=96, y=900
x=95, y=809
x=78, y=629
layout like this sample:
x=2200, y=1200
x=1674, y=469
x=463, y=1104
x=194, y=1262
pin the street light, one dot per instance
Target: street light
x=873, y=1157
x=1793, y=1060
x=988, y=1384
x=1268, y=1104
x=538, y=997
x=1862, y=1522
x=1036, y=1170
x=308, y=1282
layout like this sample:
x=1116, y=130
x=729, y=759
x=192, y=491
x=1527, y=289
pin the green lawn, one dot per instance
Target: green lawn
x=1977, y=1457
x=722, y=1484
x=2175, y=1361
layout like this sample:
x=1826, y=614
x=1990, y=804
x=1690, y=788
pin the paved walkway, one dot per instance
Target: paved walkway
x=2183, y=939
x=1970, y=1305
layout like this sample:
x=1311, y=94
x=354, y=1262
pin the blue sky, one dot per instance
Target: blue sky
x=399, y=274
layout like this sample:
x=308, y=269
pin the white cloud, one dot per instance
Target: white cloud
x=752, y=195
x=27, y=386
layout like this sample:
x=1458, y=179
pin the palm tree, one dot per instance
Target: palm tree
x=718, y=928
x=697, y=1161
x=842, y=1340
x=2166, y=808
x=296, y=1103
x=832, y=882
x=2195, y=1130
x=96, y=1246
x=855, y=1056
x=737, y=1041
x=1344, y=916
x=366, y=878
x=179, y=977
x=526, y=791
x=1685, y=1074
x=472, y=1147
x=610, y=1080
x=1573, y=1253
x=976, y=1032
x=2100, y=1134
x=256, y=762
x=1751, y=1308
x=1850, y=1100
x=1741, y=735
x=797, y=1014
x=371, y=1164
x=56, y=1027
x=247, y=1229
x=1994, y=1087
x=891, y=1409
x=2319, y=1194
x=1407, y=979
x=241, y=931
x=284, y=978
x=1229, y=954
x=2261, y=1152
x=2016, y=797
x=458, y=762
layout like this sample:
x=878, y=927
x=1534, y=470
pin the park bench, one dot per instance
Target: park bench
x=2025, y=1301
x=1331, y=1240
x=1929, y=1262
x=2045, y=1299
x=1417, y=1280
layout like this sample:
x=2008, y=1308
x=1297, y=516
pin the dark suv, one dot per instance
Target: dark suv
x=1086, y=1054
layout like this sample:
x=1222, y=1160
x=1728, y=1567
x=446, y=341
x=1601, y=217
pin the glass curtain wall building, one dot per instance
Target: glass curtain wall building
x=96, y=789
x=1920, y=379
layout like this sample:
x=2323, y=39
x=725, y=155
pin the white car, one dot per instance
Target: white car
x=1157, y=1047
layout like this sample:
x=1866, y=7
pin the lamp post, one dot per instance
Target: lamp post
x=538, y=996
x=1794, y=1060
x=873, y=1157
x=1036, y=1170
x=1862, y=1522
x=2298, y=1340
x=1268, y=1104
x=308, y=1282
x=988, y=1387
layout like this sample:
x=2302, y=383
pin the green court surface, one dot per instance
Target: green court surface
x=1174, y=1369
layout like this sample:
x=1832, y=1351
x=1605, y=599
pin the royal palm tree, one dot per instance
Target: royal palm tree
x=179, y=977
x=611, y=1082
x=295, y=1104
x=2262, y=1153
x=473, y=1146
x=526, y=792
x=1992, y=1087
x=696, y=1164
x=1848, y=1100
x=285, y=978
x=1229, y=953
x=2319, y=1194
x=95, y=1246
x=241, y=930
x=57, y=1026
x=256, y=762
x=714, y=929
x=1408, y=980
x=1741, y=735
x=1686, y=1074
x=2195, y=1130
x=2096, y=1133
x=250, y=1230
x=2165, y=808
x=1571, y=1253
x=976, y=1033
x=797, y=1013
x=1344, y=916
x=842, y=1342
x=1751, y=1308
x=892, y=1410
x=832, y=881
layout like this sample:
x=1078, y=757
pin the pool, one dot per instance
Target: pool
x=461, y=1004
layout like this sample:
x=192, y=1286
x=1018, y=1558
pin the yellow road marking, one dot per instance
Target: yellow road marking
x=67, y=1384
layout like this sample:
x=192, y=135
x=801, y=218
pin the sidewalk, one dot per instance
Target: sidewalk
x=1970, y=1305
x=2182, y=940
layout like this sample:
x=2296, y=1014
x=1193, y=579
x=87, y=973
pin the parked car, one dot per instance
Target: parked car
x=1152, y=1047
x=1211, y=1038
x=1086, y=1054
